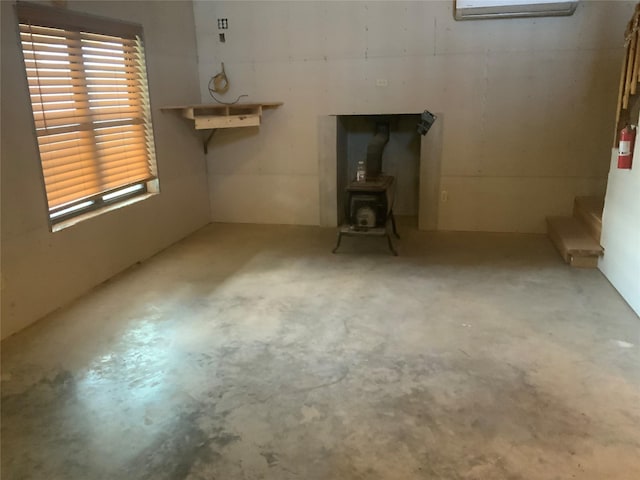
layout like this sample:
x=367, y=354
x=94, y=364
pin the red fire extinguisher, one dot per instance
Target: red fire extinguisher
x=625, y=148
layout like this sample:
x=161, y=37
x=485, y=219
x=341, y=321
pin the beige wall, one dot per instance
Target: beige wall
x=42, y=271
x=528, y=104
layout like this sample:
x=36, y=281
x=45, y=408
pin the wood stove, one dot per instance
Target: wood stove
x=370, y=210
x=369, y=203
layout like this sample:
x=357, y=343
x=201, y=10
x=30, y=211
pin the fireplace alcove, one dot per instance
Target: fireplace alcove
x=413, y=159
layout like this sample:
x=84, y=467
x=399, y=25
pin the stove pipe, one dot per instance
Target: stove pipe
x=375, y=149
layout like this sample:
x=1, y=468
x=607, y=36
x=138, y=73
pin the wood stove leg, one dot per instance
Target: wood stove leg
x=393, y=224
x=335, y=249
x=391, y=247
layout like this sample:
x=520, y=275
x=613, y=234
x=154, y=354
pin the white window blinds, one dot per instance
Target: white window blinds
x=88, y=85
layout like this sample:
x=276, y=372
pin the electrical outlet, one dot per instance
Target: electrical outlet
x=444, y=196
x=223, y=24
x=382, y=82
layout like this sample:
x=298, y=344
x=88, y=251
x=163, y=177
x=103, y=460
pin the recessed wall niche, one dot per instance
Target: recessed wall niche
x=400, y=158
x=413, y=159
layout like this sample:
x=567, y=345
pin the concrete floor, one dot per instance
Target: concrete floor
x=251, y=352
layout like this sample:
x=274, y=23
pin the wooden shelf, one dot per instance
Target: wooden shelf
x=216, y=115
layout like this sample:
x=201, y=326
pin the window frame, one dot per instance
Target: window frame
x=88, y=206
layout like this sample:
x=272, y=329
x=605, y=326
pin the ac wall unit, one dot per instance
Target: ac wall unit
x=481, y=9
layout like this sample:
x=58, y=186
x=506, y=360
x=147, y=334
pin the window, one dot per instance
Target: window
x=88, y=86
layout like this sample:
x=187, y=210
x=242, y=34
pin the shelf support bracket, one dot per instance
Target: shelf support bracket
x=208, y=140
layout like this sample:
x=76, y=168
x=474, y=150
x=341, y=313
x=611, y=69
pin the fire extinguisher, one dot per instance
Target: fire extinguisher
x=625, y=148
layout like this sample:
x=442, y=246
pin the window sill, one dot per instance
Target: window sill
x=95, y=213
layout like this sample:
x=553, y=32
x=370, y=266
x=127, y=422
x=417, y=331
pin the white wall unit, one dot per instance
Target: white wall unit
x=527, y=104
x=485, y=9
x=42, y=271
x=621, y=230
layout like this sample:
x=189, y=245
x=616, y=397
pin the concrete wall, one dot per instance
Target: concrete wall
x=528, y=104
x=621, y=230
x=42, y=271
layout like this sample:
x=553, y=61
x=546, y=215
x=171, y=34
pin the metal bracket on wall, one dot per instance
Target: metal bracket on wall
x=208, y=140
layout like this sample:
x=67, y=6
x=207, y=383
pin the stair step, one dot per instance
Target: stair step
x=589, y=211
x=574, y=242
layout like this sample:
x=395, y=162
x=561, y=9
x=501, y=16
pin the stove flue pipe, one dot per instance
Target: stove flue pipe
x=375, y=149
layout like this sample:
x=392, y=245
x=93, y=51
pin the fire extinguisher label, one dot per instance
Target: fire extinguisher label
x=625, y=147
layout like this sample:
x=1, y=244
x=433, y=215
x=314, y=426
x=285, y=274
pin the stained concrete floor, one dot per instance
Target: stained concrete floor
x=251, y=352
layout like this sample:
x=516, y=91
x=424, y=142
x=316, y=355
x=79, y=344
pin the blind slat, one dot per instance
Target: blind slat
x=32, y=44
x=86, y=182
x=76, y=128
x=80, y=123
x=82, y=175
x=51, y=18
x=70, y=96
x=115, y=180
x=92, y=104
x=42, y=51
x=88, y=185
x=107, y=159
x=66, y=179
x=69, y=89
x=93, y=84
x=64, y=154
x=71, y=72
x=101, y=134
x=83, y=111
x=73, y=63
x=79, y=148
x=62, y=146
x=53, y=39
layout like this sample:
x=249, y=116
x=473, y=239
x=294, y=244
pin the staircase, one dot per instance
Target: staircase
x=577, y=238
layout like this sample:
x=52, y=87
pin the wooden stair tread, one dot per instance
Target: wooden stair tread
x=588, y=210
x=573, y=241
x=574, y=236
x=591, y=206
